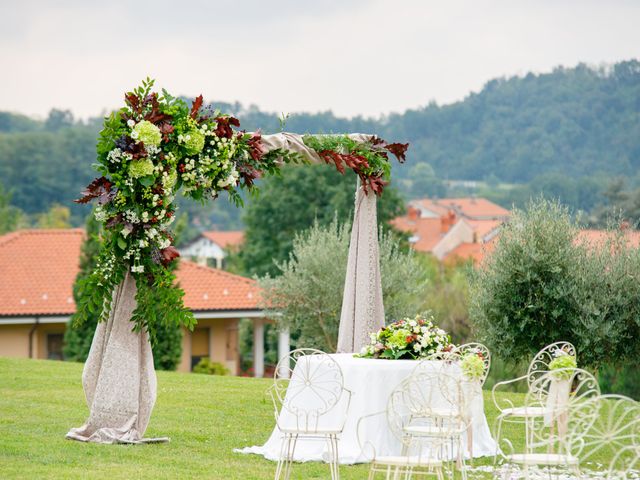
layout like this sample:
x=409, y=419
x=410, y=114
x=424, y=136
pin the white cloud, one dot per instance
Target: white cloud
x=353, y=57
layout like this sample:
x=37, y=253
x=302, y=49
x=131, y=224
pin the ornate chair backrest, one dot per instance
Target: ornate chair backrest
x=482, y=351
x=614, y=434
x=308, y=385
x=568, y=397
x=421, y=398
x=540, y=363
x=440, y=361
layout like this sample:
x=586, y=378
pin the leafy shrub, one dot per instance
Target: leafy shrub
x=208, y=367
x=308, y=294
x=525, y=295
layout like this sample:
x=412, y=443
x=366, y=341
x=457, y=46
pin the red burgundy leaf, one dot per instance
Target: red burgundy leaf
x=256, y=149
x=223, y=129
x=133, y=101
x=169, y=254
x=155, y=115
x=195, y=107
x=96, y=189
x=398, y=149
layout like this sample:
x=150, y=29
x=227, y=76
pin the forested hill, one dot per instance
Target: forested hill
x=576, y=122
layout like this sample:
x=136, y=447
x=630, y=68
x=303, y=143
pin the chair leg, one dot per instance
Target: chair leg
x=290, y=451
x=372, y=472
x=281, y=459
x=333, y=457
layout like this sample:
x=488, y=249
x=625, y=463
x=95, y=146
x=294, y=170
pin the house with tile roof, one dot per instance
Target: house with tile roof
x=448, y=228
x=212, y=247
x=37, y=272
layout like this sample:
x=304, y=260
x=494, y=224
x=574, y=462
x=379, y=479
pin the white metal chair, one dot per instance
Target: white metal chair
x=556, y=439
x=616, y=435
x=419, y=455
x=310, y=401
x=539, y=366
x=437, y=404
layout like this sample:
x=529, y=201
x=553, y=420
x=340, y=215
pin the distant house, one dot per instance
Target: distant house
x=212, y=247
x=451, y=228
x=37, y=272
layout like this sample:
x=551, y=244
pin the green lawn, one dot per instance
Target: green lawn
x=206, y=417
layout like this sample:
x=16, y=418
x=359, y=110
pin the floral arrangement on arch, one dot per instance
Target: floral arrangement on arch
x=156, y=146
x=408, y=338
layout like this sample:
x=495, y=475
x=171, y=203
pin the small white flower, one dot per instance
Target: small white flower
x=130, y=123
x=126, y=230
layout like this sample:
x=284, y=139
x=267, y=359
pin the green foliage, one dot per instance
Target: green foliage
x=564, y=132
x=525, y=296
x=472, y=366
x=609, y=291
x=89, y=294
x=308, y=293
x=447, y=296
x=291, y=202
x=11, y=218
x=57, y=216
x=542, y=285
x=208, y=367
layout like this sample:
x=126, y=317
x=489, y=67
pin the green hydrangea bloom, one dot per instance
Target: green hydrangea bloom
x=563, y=362
x=141, y=168
x=472, y=366
x=398, y=339
x=169, y=181
x=194, y=142
x=147, y=133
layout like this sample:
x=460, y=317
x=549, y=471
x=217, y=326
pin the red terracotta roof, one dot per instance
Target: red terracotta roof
x=225, y=239
x=470, y=251
x=483, y=227
x=38, y=269
x=428, y=231
x=208, y=288
x=599, y=237
x=465, y=206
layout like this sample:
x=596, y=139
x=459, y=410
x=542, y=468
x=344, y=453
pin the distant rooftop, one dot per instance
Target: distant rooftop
x=38, y=269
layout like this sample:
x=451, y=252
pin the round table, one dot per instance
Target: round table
x=371, y=381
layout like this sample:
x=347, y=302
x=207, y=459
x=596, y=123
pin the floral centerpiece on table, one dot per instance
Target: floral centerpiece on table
x=408, y=338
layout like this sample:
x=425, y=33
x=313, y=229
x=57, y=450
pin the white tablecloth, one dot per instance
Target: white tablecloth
x=371, y=382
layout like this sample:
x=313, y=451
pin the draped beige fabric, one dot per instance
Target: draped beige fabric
x=362, y=306
x=118, y=378
x=294, y=142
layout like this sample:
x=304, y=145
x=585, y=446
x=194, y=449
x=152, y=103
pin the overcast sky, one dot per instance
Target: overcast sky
x=350, y=56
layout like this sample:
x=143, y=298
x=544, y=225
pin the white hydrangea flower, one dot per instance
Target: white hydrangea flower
x=131, y=123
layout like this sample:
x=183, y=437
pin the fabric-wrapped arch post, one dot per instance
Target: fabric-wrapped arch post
x=119, y=378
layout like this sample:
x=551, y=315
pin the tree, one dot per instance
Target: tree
x=58, y=119
x=291, y=203
x=308, y=292
x=167, y=350
x=525, y=295
x=56, y=217
x=11, y=217
x=543, y=284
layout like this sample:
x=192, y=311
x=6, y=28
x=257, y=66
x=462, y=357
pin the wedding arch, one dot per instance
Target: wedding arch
x=153, y=148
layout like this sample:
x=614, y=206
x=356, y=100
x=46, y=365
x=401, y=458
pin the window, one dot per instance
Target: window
x=54, y=346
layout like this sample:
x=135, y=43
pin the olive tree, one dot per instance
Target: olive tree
x=307, y=295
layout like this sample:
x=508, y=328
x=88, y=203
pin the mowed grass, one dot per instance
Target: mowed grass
x=206, y=417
